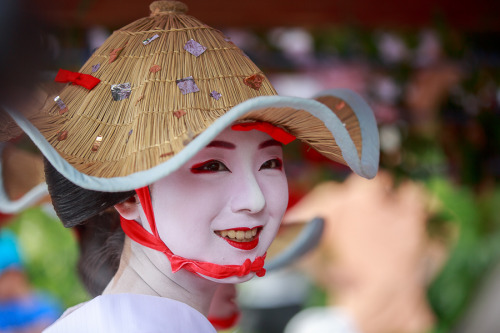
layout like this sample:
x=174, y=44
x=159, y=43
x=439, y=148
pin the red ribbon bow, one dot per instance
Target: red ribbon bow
x=217, y=271
x=84, y=80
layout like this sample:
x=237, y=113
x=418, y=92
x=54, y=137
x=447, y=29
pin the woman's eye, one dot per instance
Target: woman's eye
x=275, y=163
x=209, y=166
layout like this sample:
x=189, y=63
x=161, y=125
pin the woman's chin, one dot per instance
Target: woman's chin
x=231, y=279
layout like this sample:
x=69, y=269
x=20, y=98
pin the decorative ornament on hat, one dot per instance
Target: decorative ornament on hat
x=62, y=107
x=155, y=68
x=62, y=135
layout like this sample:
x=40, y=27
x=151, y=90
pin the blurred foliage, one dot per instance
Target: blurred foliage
x=475, y=251
x=50, y=253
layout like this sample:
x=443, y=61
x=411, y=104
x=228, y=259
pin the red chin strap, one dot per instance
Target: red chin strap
x=153, y=241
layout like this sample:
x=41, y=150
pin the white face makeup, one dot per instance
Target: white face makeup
x=225, y=205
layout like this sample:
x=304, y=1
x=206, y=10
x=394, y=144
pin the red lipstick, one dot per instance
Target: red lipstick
x=245, y=244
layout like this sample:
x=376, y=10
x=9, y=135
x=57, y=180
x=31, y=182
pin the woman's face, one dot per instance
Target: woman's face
x=225, y=204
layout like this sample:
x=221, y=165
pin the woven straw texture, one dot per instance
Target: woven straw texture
x=103, y=137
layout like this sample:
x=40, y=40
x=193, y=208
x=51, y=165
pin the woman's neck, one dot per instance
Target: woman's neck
x=146, y=271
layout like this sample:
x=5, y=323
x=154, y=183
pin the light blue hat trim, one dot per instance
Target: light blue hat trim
x=366, y=167
x=369, y=130
x=34, y=195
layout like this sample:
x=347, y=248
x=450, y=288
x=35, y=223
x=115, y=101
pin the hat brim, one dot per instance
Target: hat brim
x=28, y=192
x=360, y=153
x=291, y=250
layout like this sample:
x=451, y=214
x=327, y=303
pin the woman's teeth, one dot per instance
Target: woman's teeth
x=239, y=235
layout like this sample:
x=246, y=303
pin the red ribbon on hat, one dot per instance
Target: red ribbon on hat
x=274, y=132
x=85, y=80
x=136, y=232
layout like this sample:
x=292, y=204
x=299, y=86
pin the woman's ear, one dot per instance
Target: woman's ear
x=129, y=209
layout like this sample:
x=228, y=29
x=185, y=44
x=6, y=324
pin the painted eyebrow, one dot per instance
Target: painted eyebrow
x=269, y=143
x=221, y=144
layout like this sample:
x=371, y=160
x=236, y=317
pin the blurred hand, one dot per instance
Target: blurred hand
x=373, y=258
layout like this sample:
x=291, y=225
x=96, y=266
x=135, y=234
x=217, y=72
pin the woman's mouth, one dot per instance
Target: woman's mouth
x=241, y=238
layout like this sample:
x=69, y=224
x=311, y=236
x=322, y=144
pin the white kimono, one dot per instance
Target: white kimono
x=132, y=313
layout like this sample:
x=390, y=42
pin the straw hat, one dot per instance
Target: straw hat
x=168, y=85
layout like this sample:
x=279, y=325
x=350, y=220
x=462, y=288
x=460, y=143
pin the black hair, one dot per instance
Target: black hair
x=97, y=224
x=75, y=205
x=100, y=242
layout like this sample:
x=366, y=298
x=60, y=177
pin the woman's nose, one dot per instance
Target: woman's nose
x=248, y=195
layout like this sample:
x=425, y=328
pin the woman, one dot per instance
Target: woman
x=170, y=123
